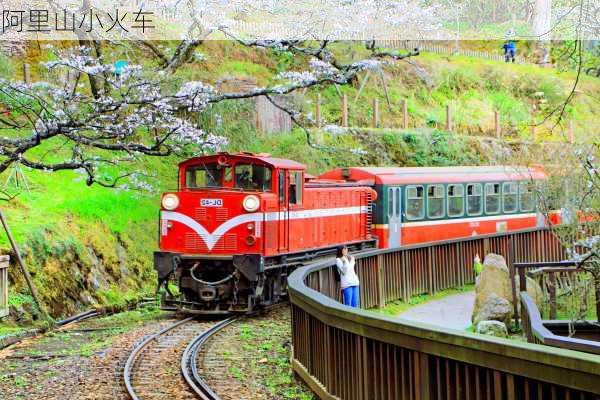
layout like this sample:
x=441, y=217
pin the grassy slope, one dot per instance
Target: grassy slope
x=94, y=245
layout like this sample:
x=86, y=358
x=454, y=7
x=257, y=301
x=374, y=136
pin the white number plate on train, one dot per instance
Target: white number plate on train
x=211, y=202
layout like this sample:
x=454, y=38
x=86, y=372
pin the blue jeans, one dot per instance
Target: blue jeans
x=350, y=295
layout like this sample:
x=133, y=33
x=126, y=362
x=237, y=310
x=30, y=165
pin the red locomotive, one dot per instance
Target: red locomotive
x=239, y=223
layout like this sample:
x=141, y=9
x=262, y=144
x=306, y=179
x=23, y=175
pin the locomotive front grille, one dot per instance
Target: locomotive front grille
x=200, y=214
x=194, y=243
x=222, y=214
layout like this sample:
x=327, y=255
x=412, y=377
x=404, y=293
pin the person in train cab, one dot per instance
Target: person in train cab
x=348, y=278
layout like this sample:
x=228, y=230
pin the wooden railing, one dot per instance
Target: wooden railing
x=349, y=353
x=538, y=330
x=445, y=47
x=4, y=285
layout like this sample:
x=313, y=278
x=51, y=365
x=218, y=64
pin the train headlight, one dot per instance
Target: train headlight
x=170, y=201
x=251, y=203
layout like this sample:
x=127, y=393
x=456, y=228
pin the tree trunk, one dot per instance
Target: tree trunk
x=541, y=23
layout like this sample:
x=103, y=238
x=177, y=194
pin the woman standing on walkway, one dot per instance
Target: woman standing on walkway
x=348, y=278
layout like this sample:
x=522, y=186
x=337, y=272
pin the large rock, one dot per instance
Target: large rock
x=494, y=279
x=493, y=328
x=495, y=308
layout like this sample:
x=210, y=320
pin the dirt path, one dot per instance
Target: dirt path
x=453, y=311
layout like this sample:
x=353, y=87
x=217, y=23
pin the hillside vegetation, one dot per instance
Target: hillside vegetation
x=92, y=246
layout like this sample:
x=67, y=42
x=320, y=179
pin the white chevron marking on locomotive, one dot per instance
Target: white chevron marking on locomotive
x=210, y=239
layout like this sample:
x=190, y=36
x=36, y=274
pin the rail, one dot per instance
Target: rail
x=345, y=353
x=189, y=367
x=4, y=286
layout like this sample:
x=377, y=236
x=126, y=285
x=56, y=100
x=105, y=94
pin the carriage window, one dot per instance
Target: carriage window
x=526, y=199
x=435, y=201
x=202, y=176
x=281, y=187
x=390, y=199
x=295, y=188
x=492, y=198
x=415, y=204
x=474, y=201
x=252, y=177
x=509, y=197
x=456, y=200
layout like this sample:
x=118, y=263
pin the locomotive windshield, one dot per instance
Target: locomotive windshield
x=241, y=176
x=203, y=176
x=252, y=177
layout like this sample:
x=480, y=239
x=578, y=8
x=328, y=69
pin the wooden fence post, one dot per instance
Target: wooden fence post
x=375, y=113
x=26, y=73
x=404, y=114
x=430, y=268
x=497, y=128
x=26, y=275
x=380, y=282
x=552, y=295
x=448, y=118
x=344, y=110
x=318, y=110
x=4, y=286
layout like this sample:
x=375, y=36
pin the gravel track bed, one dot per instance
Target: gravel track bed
x=249, y=360
x=157, y=373
x=83, y=361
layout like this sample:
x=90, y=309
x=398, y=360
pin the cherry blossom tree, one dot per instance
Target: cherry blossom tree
x=573, y=188
x=50, y=126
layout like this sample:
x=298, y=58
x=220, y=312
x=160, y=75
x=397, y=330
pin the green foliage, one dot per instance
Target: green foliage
x=19, y=299
x=6, y=67
x=116, y=296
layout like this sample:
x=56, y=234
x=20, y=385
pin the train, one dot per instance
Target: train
x=238, y=224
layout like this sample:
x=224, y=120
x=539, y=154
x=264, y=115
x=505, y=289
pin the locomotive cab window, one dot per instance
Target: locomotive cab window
x=435, y=201
x=474, y=199
x=492, y=198
x=415, y=202
x=204, y=176
x=295, y=188
x=509, y=197
x=526, y=199
x=456, y=200
x=252, y=177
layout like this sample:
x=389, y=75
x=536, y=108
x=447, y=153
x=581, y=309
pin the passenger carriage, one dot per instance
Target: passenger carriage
x=425, y=204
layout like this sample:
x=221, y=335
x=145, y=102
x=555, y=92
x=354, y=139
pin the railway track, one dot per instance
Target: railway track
x=189, y=360
x=149, y=372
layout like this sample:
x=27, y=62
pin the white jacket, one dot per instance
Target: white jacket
x=347, y=275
